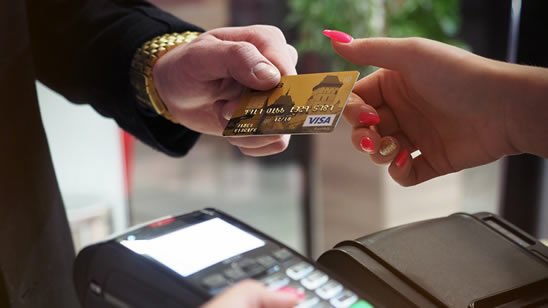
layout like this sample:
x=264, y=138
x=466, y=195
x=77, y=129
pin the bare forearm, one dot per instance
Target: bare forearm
x=524, y=91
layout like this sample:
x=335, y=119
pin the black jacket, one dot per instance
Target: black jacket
x=81, y=49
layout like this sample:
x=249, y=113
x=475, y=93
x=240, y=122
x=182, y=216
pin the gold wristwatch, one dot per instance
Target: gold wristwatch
x=141, y=69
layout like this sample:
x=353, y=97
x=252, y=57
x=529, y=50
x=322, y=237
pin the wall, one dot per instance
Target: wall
x=87, y=157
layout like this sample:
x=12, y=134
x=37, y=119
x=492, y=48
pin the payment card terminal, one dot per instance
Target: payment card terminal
x=183, y=261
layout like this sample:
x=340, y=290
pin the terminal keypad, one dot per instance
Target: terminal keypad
x=281, y=270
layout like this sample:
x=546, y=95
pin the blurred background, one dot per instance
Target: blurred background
x=320, y=191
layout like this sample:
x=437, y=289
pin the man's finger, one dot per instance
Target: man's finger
x=211, y=59
x=253, y=142
x=293, y=54
x=251, y=294
x=270, y=149
x=228, y=109
x=269, y=40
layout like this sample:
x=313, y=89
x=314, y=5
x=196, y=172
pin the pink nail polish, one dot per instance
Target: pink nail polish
x=338, y=36
x=369, y=118
x=367, y=144
x=401, y=159
x=291, y=290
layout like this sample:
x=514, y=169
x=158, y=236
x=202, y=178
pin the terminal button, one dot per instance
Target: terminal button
x=323, y=305
x=362, y=304
x=251, y=267
x=235, y=273
x=329, y=289
x=314, y=280
x=344, y=299
x=309, y=301
x=283, y=254
x=214, y=281
x=267, y=261
x=276, y=281
x=299, y=270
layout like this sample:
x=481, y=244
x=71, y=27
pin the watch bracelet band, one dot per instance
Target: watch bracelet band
x=145, y=57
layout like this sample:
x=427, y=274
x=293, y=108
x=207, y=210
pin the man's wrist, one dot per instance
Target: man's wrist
x=141, y=73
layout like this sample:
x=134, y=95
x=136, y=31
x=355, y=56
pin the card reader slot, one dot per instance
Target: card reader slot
x=509, y=233
x=513, y=233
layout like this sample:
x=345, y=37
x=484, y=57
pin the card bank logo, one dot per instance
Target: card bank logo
x=319, y=120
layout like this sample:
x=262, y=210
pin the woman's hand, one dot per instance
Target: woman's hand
x=458, y=109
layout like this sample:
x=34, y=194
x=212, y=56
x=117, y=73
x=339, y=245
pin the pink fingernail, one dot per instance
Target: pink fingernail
x=338, y=36
x=367, y=144
x=369, y=118
x=401, y=159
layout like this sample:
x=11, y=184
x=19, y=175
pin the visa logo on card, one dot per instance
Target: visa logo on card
x=320, y=120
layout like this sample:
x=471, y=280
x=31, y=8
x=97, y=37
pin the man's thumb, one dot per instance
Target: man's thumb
x=245, y=63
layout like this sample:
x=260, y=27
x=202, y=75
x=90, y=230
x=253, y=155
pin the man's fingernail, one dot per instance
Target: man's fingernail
x=367, y=145
x=369, y=118
x=338, y=36
x=228, y=109
x=265, y=71
x=227, y=114
x=387, y=146
x=401, y=159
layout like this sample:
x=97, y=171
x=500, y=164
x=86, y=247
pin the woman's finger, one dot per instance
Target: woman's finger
x=388, y=149
x=405, y=142
x=408, y=172
x=358, y=114
x=389, y=124
x=368, y=141
x=369, y=89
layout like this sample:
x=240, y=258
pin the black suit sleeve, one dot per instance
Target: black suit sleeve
x=83, y=50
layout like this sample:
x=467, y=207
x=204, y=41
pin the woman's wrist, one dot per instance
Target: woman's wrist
x=524, y=93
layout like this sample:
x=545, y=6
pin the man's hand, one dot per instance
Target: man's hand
x=201, y=82
x=251, y=294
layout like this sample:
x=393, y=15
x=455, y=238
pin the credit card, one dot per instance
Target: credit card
x=299, y=104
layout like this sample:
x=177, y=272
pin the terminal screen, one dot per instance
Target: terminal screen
x=193, y=248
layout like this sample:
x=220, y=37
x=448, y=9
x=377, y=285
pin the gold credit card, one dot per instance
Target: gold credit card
x=299, y=104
